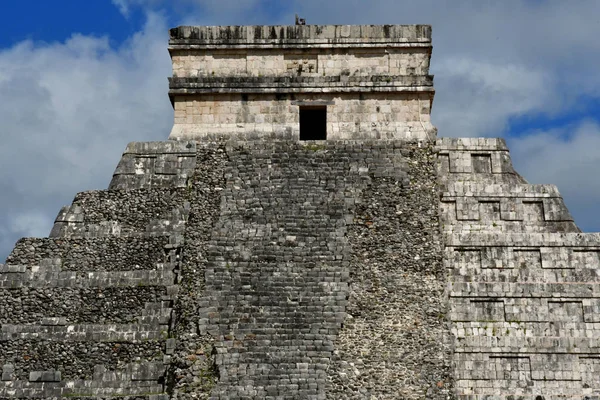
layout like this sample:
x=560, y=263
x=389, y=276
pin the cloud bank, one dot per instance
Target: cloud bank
x=69, y=109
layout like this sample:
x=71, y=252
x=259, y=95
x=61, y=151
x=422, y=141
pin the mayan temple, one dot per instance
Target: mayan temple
x=304, y=234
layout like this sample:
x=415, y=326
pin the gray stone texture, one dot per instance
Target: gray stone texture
x=395, y=342
x=285, y=269
x=241, y=81
x=297, y=222
x=88, y=312
x=313, y=270
x=523, y=284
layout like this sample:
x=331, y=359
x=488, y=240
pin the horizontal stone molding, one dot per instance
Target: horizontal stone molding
x=300, y=36
x=475, y=162
x=136, y=379
x=526, y=309
x=577, y=240
x=302, y=84
x=165, y=147
x=315, y=103
x=549, y=329
x=471, y=144
x=532, y=258
x=506, y=190
x=340, y=88
x=543, y=209
x=84, y=332
x=535, y=345
x=37, y=276
x=498, y=366
x=571, y=290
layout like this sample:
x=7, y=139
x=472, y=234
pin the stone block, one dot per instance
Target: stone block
x=54, y=321
x=8, y=371
x=45, y=376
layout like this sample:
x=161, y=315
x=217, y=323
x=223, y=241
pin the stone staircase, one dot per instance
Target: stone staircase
x=277, y=279
x=289, y=260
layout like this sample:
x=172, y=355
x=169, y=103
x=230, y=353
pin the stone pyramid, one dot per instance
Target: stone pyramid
x=304, y=235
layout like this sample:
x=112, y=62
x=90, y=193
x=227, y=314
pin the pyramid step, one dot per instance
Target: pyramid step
x=101, y=213
x=155, y=164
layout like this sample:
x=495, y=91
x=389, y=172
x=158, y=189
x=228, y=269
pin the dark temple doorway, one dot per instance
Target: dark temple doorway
x=313, y=123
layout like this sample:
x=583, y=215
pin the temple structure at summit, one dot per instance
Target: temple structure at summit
x=307, y=82
x=304, y=234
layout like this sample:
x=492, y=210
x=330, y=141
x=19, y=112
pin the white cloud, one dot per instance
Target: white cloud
x=125, y=6
x=69, y=109
x=208, y=12
x=22, y=224
x=476, y=98
x=568, y=158
x=33, y=224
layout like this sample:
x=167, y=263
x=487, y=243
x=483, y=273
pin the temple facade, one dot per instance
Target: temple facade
x=303, y=81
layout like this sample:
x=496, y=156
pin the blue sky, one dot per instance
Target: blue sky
x=81, y=79
x=50, y=23
x=58, y=20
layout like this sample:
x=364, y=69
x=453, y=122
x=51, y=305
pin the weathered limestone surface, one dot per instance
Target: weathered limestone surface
x=395, y=342
x=398, y=61
x=295, y=36
x=250, y=81
x=524, y=288
x=285, y=271
x=88, y=311
x=272, y=116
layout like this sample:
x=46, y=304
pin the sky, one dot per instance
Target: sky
x=81, y=79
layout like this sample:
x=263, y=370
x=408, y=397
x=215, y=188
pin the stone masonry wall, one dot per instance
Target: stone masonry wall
x=299, y=36
x=395, y=342
x=240, y=270
x=306, y=237
x=312, y=270
x=524, y=281
x=374, y=80
x=349, y=116
x=294, y=62
x=90, y=311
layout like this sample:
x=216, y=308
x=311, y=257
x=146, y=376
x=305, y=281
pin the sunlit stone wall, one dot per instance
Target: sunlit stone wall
x=250, y=82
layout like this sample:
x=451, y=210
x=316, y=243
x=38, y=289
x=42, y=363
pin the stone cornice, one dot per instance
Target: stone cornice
x=299, y=36
x=294, y=84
